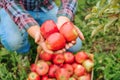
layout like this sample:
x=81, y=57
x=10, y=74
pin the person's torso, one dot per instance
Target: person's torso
x=36, y=4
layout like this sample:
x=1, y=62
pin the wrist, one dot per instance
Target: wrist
x=33, y=30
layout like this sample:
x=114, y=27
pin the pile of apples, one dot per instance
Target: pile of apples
x=64, y=66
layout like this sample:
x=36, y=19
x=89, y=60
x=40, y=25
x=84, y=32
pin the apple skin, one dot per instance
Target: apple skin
x=42, y=68
x=69, y=32
x=52, y=70
x=58, y=59
x=44, y=77
x=88, y=64
x=48, y=28
x=85, y=77
x=55, y=41
x=69, y=57
x=62, y=74
x=69, y=68
x=45, y=56
x=33, y=67
x=79, y=70
x=33, y=76
x=81, y=56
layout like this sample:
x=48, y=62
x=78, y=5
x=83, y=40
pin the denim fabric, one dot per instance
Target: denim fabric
x=10, y=35
x=15, y=40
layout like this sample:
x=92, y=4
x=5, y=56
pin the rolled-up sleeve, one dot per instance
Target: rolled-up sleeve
x=67, y=8
x=18, y=14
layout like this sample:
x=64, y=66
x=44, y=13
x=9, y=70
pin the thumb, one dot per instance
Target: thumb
x=80, y=33
x=44, y=47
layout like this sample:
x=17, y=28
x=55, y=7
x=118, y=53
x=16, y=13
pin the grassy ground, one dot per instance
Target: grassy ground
x=104, y=45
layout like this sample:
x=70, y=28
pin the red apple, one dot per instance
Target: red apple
x=69, y=32
x=72, y=78
x=69, y=57
x=69, y=68
x=33, y=67
x=55, y=41
x=33, y=76
x=45, y=56
x=58, y=59
x=52, y=70
x=74, y=65
x=48, y=28
x=80, y=56
x=44, y=77
x=88, y=64
x=85, y=77
x=79, y=70
x=42, y=68
x=62, y=74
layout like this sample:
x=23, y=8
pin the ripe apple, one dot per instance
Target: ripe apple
x=42, y=68
x=69, y=68
x=62, y=74
x=33, y=67
x=33, y=76
x=85, y=77
x=69, y=32
x=72, y=78
x=58, y=59
x=44, y=77
x=88, y=64
x=55, y=41
x=80, y=56
x=79, y=70
x=52, y=70
x=69, y=57
x=74, y=65
x=45, y=56
x=48, y=28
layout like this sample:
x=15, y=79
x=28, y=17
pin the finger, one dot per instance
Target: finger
x=60, y=51
x=43, y=45
x=80, y=33
x=37, y=37
x=73, y=42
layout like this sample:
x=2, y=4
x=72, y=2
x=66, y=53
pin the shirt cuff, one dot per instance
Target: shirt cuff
x=30, y=22
x=67, y=13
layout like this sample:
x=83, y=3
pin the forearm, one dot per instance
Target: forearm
x=67, y=9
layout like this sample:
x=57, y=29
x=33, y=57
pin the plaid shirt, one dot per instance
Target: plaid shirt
x=17, y=10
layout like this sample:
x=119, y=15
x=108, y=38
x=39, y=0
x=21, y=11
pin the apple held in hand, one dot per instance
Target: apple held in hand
x=48, y=28
x=42, y=67
x=55, y=41
x=33, y=76
x=88, y=64
x=69, y=32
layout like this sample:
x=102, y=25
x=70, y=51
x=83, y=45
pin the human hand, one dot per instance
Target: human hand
x=60, y=22
x=34, y=32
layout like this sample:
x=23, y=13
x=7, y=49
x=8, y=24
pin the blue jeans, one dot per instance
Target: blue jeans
x=13, y=40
